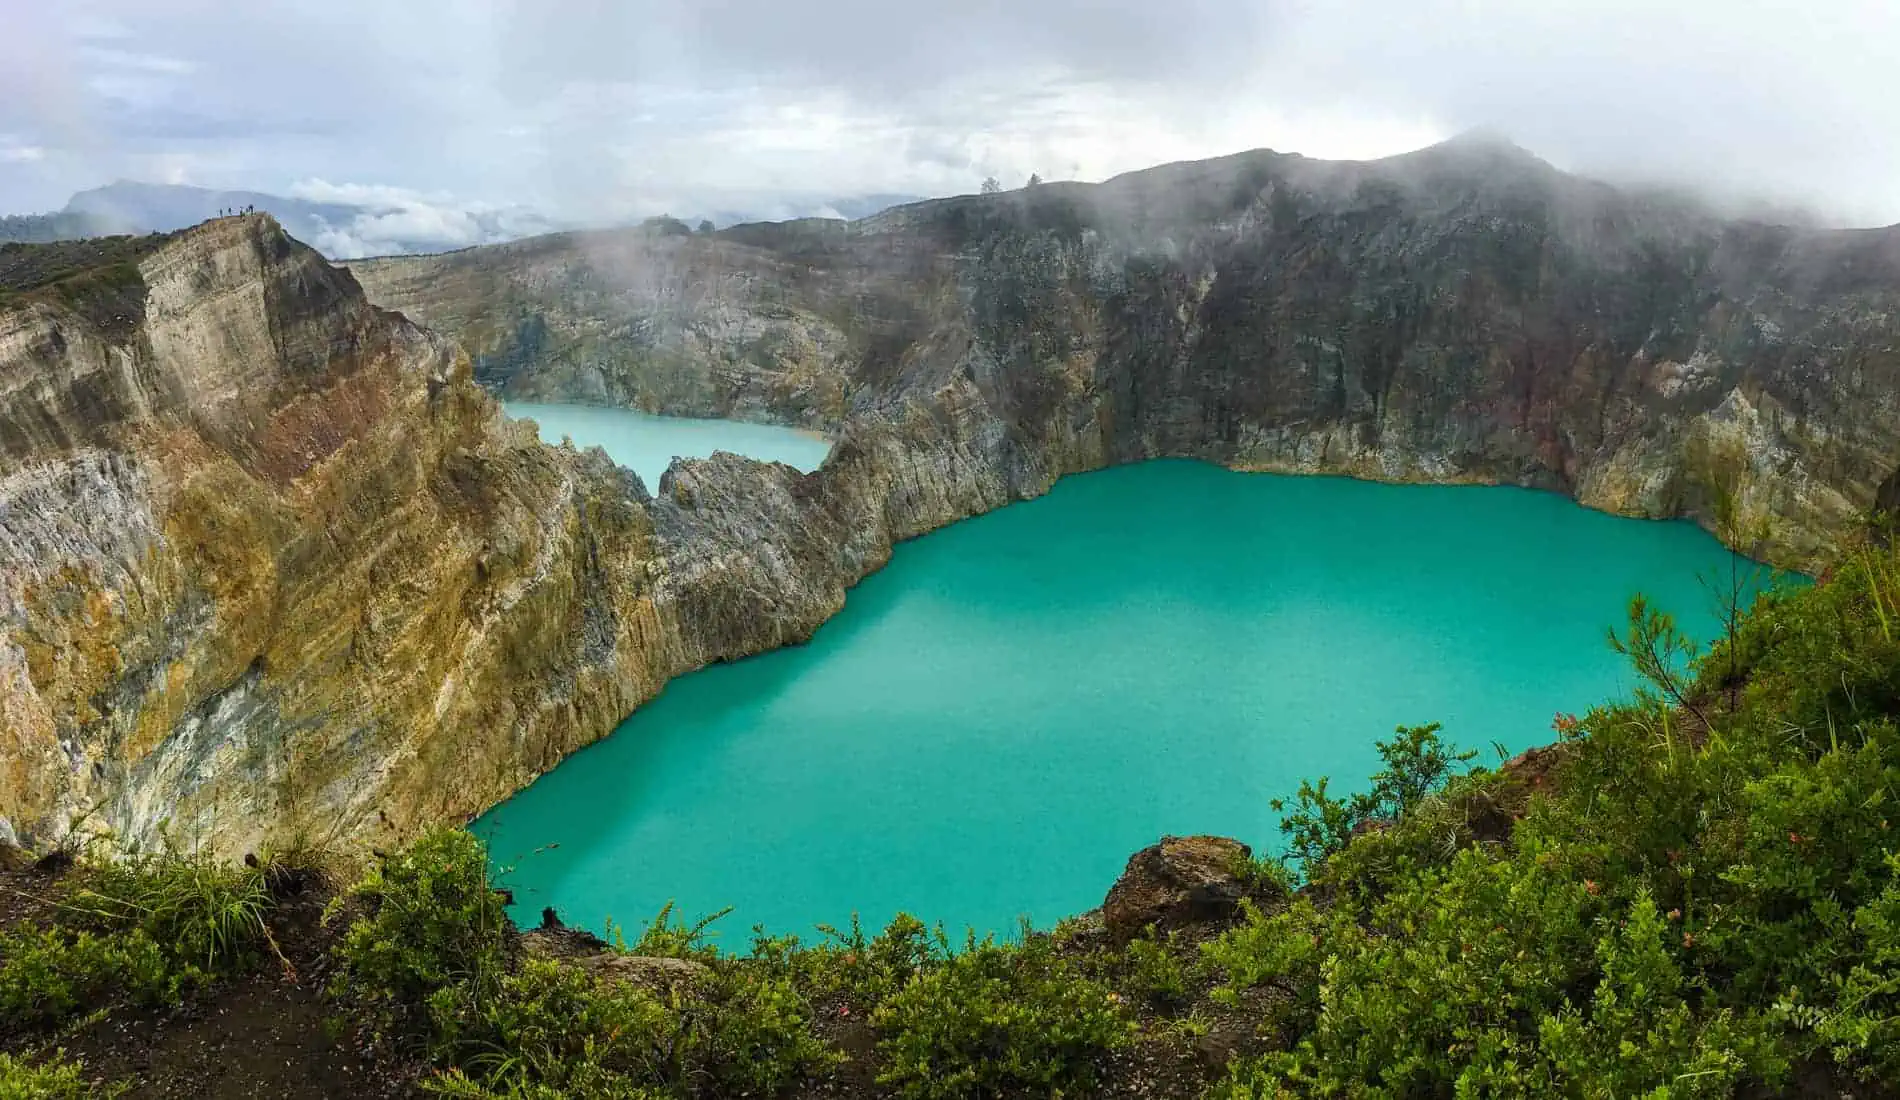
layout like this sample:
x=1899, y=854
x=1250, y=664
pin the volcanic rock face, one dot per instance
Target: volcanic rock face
x=272, y=567
x=1465, y=313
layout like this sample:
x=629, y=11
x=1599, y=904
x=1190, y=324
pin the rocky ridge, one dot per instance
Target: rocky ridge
x=1461, y=314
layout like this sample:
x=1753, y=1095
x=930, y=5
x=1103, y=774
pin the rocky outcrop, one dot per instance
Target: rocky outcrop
x=1465, y=313
x=273, y=569
x=660, y=975
x=1180, y=881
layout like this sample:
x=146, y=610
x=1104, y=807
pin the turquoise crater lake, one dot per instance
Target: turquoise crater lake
x=1017, y=703
x=647, y=444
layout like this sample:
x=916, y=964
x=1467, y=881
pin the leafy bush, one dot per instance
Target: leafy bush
x=146, y=930
x=1155, y=971
x=1264, y=876
x=666, y=936
x=759, y=1036
x=552, y=1025
x=1283, y=950
x=581, y=1085
x=433, y=921
x=1318, y=826
x=51, y=974
x=861, y=970
x=1639, y=1030
x=204, y=911
x=428, y=959
x=1859, y=1014
x=52, y=1078
x=993, y=1019
x=1417, y=765
x=869, y=971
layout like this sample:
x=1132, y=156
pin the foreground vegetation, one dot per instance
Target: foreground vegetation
x=1692, y=893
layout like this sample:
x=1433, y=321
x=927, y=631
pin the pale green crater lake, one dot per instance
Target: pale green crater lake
x=1017, y=703
x=647, y=444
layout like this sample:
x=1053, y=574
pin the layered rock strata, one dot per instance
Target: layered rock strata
x=274, y=570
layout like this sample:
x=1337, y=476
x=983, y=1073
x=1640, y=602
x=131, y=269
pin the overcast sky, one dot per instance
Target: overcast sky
x=598, y=109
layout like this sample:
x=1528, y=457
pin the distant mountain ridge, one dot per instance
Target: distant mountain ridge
x=337, y=229
x=348, y=229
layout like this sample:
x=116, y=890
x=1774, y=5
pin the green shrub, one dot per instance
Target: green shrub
x=1155, y=971
x=1264, y=876
x=994, y=1019
x=433, y=921
x=1639, y=1033
x=667, y=936
x=1418, y=763
x=49, y=975
x=144, y=930
x=1318, y=826
x=552, y=1024
x=1429, y=835
x=428, y=960
x=862, y=970
x=1707, y=900
x=1284, y=950
x=582, y=1085
x=869, y=971
x=208, y=913
x=759, y=1035
x=51, y=1078
x=1858, y=1015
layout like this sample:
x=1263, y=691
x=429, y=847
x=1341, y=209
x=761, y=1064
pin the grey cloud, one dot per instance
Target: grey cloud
x=598, y=108
x=892, y=49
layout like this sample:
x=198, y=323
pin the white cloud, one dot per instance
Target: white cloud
x=364, y=194
x=599, y=110
x=15, y=151
x=90, y=26
x=137, y=62
x=390, y=219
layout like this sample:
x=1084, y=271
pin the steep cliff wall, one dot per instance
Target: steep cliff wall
x=274, y=569
x=272, y=566
x=1465, y=313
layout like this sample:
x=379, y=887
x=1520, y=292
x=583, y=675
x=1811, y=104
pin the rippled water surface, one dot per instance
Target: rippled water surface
x=1018, y=702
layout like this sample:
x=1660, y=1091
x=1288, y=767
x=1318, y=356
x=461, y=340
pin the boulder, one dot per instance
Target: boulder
x=579, y=948
x=562, y=943
x=1181, y=881
x=1492, y=810
x=656, y=974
